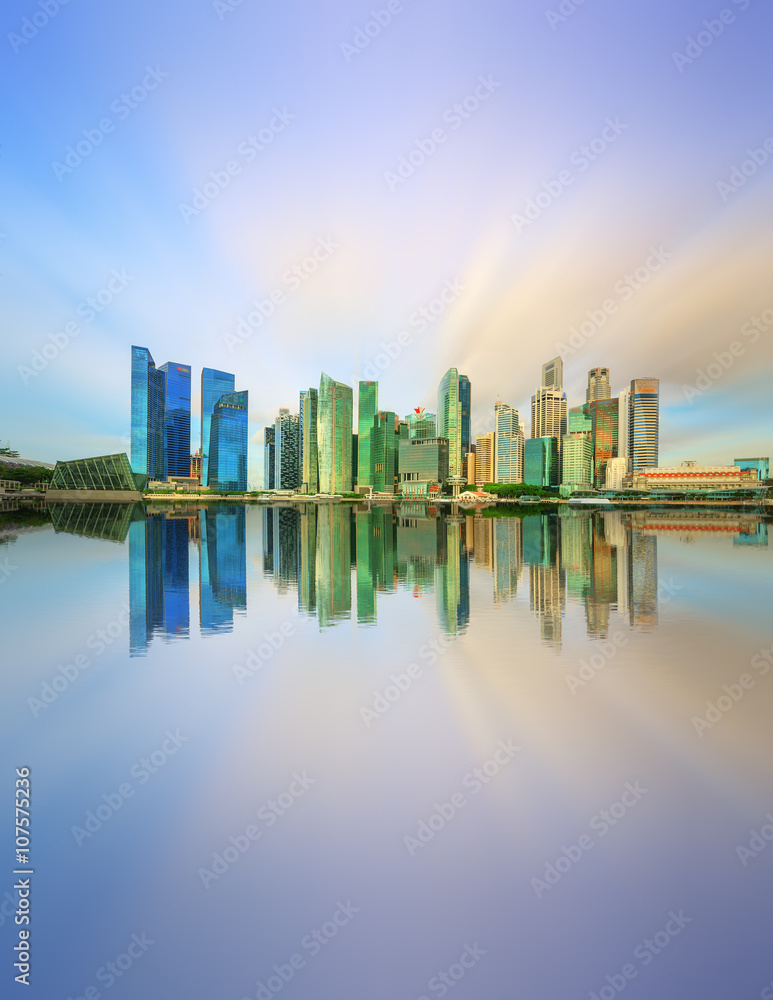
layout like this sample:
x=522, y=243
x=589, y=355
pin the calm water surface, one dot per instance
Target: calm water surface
x=380, y=754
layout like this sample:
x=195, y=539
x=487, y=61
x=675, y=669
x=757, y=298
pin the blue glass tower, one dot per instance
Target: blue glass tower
x=148, y=391
x=214, y=384
x=228, y=443
x=177, y=419
x=222, y=568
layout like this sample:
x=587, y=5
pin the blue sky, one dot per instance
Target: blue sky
x=334, y=122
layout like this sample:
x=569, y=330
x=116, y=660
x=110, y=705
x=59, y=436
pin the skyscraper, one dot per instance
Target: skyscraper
x=548, y=413
x=421, y=424
x=177, y=419
x=301, y=417
x=541, y=462
x=598, y=385
x=643, y=424
x=334, y=436
x=367, y=405
x=509, y=445
x=623, y=426
x=214, y=384
x=383, y=452
x=286, y=472
x=310, y=475
x=577, y=460
x=148, y=389
x=228, y=443
x=269, y=458
x=604, y=416
x=553, y=374
x=485, y=459
x=454, y=396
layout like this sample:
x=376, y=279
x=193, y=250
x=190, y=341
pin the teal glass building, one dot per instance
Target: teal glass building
x=367, y=406
x=334, y=436
x=214, y=384
x=148, y=389
x=541, y=462
x=310, y=471
x=228, y=443
x=383, y=452
x=177, y=419
x=452, y=422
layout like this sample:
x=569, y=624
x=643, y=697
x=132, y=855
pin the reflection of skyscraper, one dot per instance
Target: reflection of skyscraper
x=417, y=548
x=147, y=415
x=547, y=579
x=508, y=556
x=214, y=384
x=177, y=419
x=603, y=590
x=376, y=558
x=643, y=580
x=576, y=544
x=222, y=567
x=158, y=581
x=286, y=543
x=453, y=578
x=483, y=537
x=268, y=540
x=334, y=580
x=307, y=557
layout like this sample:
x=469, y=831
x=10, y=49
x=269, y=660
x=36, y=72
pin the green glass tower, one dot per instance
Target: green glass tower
x=453, y=418
x=383, y=452
x=334, y=436
x=310, y=471
x=367, y=405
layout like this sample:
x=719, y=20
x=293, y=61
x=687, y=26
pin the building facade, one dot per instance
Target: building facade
x=148, y=391
x=286, y=444
x=228, y=443
x=553, y=374
x=367, y=406
x=421, y=424
x=485, y=458
x=690, y=476
x=604, y=417
x=615, y=473
x=177, y=419
x=384, y=439
x=598, y=385
x=214, y=384
x=334, y=436
x=453, y=417
x=762, y=465
x=577, y=456
x=624, y=426
x=541, y=462
x=269, y=458
x=310, y=473
x=508, y=445
x=644, y=424
x=423, y=461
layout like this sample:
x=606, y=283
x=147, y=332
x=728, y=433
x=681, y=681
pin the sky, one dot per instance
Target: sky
x=515, y=170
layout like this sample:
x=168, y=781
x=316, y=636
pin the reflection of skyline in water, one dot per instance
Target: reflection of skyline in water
x=341, y=561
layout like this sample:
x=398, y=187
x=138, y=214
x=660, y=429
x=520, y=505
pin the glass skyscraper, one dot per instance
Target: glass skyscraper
x=383, y=452
x=269, y=453
x=643, y=424
x=367, y=405
x=509, y=445
x=604, y=416
x=541, y=462
x=310, y=471
x=421, y=424
x=334, y=436
x=453, y=418
x=147, y=419
x=228, y=443
x=214, y=384
x=177, y=419
x=598, y=385
x=286, y=443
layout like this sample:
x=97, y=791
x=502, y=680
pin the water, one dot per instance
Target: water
x=317, y=753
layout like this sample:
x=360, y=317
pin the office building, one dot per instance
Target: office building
x=177, y=419
x=423, y=461
x=604, y=416
x=579, y=421
x=310, y=474
x=548, y=413
x=643, y=424
x=541, y=462
x=615, y=473
x=624, y=426
x=301, y=411
x=286, y=474
x=269, y=458
x=553, y=374
x=577, y=461
x=509, y=444
x=383, y=452
x=690, y=476
x=367, y=406
x=334, y=436
x=228, y=443
x=453, y=418
x=598, y=385
x=148, y=391
x=762, y=465
x=214, y=384
x=421, y=424
x=485, y=458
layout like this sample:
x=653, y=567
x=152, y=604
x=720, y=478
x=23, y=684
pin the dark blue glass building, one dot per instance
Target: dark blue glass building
x=228, y=443
x=148, y=392
x=214, y=384
x=223, y=567
x=177, y=419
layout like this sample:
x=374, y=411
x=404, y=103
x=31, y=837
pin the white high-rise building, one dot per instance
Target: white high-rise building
x=484, y=459
x=623, y=430
x=509, y=445
x=615, y=473
x=598, y=385
x=553, y=374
